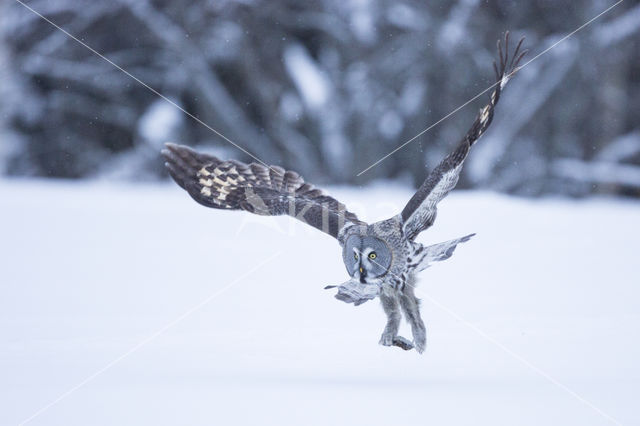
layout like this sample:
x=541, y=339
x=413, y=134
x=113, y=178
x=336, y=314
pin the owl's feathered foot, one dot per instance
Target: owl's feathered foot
x=420, y=342
x=387, y=339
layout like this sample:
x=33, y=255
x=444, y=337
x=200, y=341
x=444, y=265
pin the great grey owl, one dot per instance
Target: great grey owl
x=383, y=258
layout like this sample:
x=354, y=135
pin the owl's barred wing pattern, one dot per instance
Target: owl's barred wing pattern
x=420, y=212
x=269, y=191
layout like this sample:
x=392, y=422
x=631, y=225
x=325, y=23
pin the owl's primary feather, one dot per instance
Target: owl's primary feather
x=269, y=191
x=383, y=258
x=420, y=212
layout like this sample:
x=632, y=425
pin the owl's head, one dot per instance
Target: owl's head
x=367, y=258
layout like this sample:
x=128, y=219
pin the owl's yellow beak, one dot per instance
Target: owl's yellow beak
x=361, y=270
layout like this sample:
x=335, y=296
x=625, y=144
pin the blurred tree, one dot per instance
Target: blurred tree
x=325, y=87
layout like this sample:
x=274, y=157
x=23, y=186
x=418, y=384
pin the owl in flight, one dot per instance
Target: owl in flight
x=382, y=258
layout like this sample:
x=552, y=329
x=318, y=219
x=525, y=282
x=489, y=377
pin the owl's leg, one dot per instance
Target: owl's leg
x=411, y=308
x=390, y=306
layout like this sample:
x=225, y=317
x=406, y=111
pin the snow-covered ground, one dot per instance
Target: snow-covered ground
x=156, y=301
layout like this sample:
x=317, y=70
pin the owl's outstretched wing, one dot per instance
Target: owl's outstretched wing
x=420, y=212
x=269, y=191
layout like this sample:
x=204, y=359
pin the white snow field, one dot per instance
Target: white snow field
x=133, y=305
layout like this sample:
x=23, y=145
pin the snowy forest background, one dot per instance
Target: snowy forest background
x=123, y=302
x=323, y=87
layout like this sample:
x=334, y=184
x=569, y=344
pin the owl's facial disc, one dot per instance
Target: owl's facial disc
x=366, y=258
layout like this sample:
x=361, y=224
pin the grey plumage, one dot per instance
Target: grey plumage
x=382, y=258
x=268, y=191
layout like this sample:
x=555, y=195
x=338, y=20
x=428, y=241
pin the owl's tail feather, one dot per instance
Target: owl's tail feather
x=423, y=257
x=353, y=291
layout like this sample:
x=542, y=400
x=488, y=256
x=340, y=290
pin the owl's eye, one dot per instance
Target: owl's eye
x=372, y=255
x=355, y=256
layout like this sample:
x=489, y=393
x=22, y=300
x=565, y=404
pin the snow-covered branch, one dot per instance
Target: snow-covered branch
x=598, y=172
x=621, y=148
x=619, y=28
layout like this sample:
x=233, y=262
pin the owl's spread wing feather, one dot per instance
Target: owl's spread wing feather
x=269, y=191
x=420, y=212
x=423, y=256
